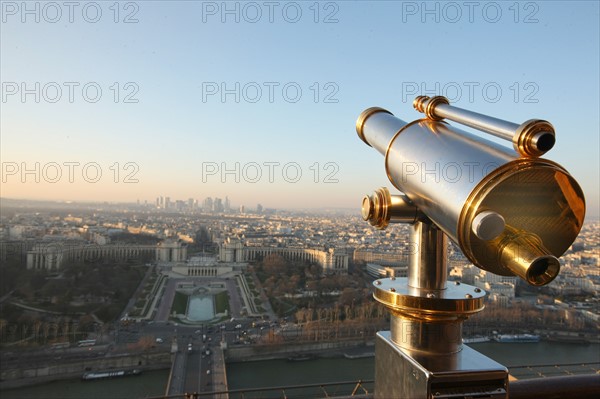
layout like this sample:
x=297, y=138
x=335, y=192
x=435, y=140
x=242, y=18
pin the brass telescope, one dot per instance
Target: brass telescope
x=509, y=211
x=510, y=214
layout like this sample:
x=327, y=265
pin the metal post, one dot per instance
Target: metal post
x=427, y=267
x=422, y=356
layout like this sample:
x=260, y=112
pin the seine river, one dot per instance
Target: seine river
x=149, y=383
x=282, y=372
x=286, y=373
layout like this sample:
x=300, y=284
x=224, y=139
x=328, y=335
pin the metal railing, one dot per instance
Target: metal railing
x=360, y=389
x=539, y=384
x=573, y=386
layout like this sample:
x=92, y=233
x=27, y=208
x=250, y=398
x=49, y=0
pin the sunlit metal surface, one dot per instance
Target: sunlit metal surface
x=427, y=266
x=452, y=176
x=381, y=209
x=532, y=138
x=575, y=386
x=401, y=373
x=510, y=212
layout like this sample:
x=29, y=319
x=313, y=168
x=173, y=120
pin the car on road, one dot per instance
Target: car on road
x=159, y=340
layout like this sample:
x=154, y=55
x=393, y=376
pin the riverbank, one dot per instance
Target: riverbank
x=350, y=349
x=253, y=353
x=150, y=383
x=11, y=378
x=356, y=348
x=326, y=366
x=524, y=361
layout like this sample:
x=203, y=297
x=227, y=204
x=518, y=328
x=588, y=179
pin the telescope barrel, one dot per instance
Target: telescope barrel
x=532, y=138
x=510, y=215
x=417, y=159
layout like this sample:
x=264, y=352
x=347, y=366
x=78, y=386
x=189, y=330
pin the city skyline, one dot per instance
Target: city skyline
x=125, y=103
x=252, y=269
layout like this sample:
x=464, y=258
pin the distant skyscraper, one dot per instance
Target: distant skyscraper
x=259, y=208
x=218, y=205
x=227, y=206
x=208, y=205
x=242, y=209
x=167, y=202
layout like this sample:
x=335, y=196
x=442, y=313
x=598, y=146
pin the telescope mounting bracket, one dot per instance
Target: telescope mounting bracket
x=422, y=356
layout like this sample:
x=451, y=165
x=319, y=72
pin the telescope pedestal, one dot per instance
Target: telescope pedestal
x=400, y=373
x=422, y=356
x=510, y=212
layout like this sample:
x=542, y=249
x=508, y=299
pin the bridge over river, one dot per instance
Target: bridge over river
x=201, y=369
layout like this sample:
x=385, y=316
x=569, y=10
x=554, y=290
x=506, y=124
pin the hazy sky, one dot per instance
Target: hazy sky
x=258, y=100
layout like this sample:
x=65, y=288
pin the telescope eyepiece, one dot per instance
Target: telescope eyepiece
x=543, y=141
x=534, y=138
x=524, y=254
x=543, y=270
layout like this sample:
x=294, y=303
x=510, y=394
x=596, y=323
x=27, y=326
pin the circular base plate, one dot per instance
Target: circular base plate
x=456, y=300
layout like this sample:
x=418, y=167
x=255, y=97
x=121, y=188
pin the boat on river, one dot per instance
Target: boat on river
x=510, y=338
x=97, y=375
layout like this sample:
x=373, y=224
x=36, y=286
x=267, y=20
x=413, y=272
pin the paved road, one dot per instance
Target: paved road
x=139, y=289
x=192, y=372
x=164, y=309
x=178, y=373
x=235, y=302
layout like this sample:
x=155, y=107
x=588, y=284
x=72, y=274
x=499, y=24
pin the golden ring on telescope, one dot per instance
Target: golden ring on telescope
x=534, y=138
x=362, y=118
x=431, y=104
x=426, y=105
